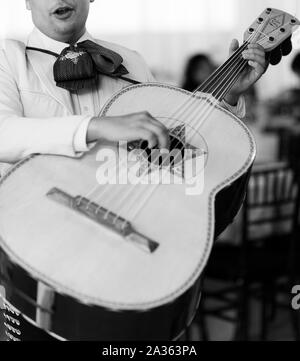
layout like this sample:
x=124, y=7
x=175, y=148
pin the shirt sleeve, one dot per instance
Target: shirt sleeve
x=80, y=137
x=239, y=110
x=21, y=136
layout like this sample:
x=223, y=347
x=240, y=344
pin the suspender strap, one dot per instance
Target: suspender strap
x=57, y=55
x=42, y=51
x=128, y=79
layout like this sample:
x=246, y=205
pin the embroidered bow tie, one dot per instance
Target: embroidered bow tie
x=77, y=66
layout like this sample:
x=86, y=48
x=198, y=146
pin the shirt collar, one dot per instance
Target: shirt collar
x=40, y=40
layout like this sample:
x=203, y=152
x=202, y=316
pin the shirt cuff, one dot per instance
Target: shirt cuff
x=80, y=137
x=238, y=110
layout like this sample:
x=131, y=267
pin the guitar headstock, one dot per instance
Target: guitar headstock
x=271, y=28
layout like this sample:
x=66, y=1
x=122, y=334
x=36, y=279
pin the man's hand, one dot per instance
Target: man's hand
x=258, y=61
x=129, y=128
x=258, y=64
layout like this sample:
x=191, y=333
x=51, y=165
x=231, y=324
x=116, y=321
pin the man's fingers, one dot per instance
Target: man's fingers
x=254, y=54
x=233, y=46
x=255, y=49
x=148, y=136
x=259, y=69
x=160, y=132
x=256, y=59
x=145, y=121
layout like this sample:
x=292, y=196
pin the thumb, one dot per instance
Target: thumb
x=233, y=46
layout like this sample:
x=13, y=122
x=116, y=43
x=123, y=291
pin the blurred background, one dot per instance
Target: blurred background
x=251, y=274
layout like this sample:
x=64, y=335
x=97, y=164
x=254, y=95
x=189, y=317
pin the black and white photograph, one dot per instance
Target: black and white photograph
x=149, y=173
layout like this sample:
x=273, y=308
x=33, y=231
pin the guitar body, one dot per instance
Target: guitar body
x=76, y=278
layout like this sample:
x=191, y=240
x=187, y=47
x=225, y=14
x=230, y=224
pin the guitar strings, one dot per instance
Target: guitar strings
x=249, y=39
x=210, y=82
x=124, y=195
x=262, y=42
x=206, y=83
x=206, y=87
x=141, y=205
x=181, y=109
x=146, y=199
x=241, y=63
x=177, y=113
x=226, y=65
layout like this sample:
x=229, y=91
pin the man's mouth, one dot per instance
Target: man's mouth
x=63, y=12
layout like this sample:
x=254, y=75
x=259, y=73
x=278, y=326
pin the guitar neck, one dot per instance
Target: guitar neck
x=224, y=78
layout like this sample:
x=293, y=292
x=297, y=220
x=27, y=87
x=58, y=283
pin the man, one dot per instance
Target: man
x=37, y=116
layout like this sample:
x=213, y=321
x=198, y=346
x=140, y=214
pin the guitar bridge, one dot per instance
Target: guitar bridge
x=104, y=217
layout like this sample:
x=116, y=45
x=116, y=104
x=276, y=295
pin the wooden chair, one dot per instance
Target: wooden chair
x=266, y=254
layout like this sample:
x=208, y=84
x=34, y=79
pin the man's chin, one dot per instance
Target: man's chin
x=65, y=31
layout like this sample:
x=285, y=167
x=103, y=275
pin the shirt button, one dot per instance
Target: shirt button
x=86, y=109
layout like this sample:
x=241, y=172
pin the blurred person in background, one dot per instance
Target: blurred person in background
x=286, y=105
x=198, y=68
x=280, y=116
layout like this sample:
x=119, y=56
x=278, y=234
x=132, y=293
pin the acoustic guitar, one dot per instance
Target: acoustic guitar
x=84, y=259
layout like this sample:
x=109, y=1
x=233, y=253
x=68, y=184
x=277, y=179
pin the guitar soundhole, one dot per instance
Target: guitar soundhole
x=172, y=158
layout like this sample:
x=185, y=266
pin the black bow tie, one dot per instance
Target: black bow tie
x=77, y=66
